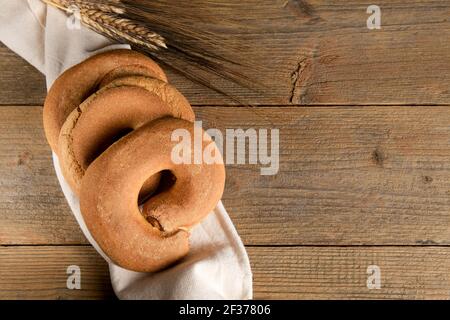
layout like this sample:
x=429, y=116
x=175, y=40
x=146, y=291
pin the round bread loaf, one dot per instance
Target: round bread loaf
x=121, y=106
x=110, y=189
x=80, y=81
x=111, y=121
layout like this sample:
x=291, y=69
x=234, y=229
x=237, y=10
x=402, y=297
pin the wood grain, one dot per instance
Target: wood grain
x=368, y=175
x=310, y=53
x=33, y=209
x=41, y=273
x=279, y=273
x=358, y=184
x=341, y=273
x=20, y=83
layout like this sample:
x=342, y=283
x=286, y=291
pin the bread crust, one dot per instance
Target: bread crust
x=80, y=81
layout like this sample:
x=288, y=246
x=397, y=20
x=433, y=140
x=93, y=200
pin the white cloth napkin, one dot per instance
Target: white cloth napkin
x=217, y=266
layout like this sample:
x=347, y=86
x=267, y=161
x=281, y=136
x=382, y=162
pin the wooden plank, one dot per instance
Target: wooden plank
x=369, y=175
x=312, y=52
x=32, y=206
x=41, y=273
x=279, y=273
x=20, y=83
x=341, y=273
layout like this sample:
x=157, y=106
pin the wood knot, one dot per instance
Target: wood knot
x=24, y=158
x=378, y=157
x=427, y=179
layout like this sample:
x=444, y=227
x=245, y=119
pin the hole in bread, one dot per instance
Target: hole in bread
x=105, y=144
x=168, y=179
x=156, y=184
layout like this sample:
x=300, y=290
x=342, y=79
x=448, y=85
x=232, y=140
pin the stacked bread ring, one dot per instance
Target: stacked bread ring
x=110, y=120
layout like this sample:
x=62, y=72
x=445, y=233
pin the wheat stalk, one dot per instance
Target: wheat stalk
x=104, y=17
x=165, y=31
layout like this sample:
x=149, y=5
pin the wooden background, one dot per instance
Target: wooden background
x=364, y=119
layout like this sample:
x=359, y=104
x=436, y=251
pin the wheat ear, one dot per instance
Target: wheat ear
x=104, y=17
